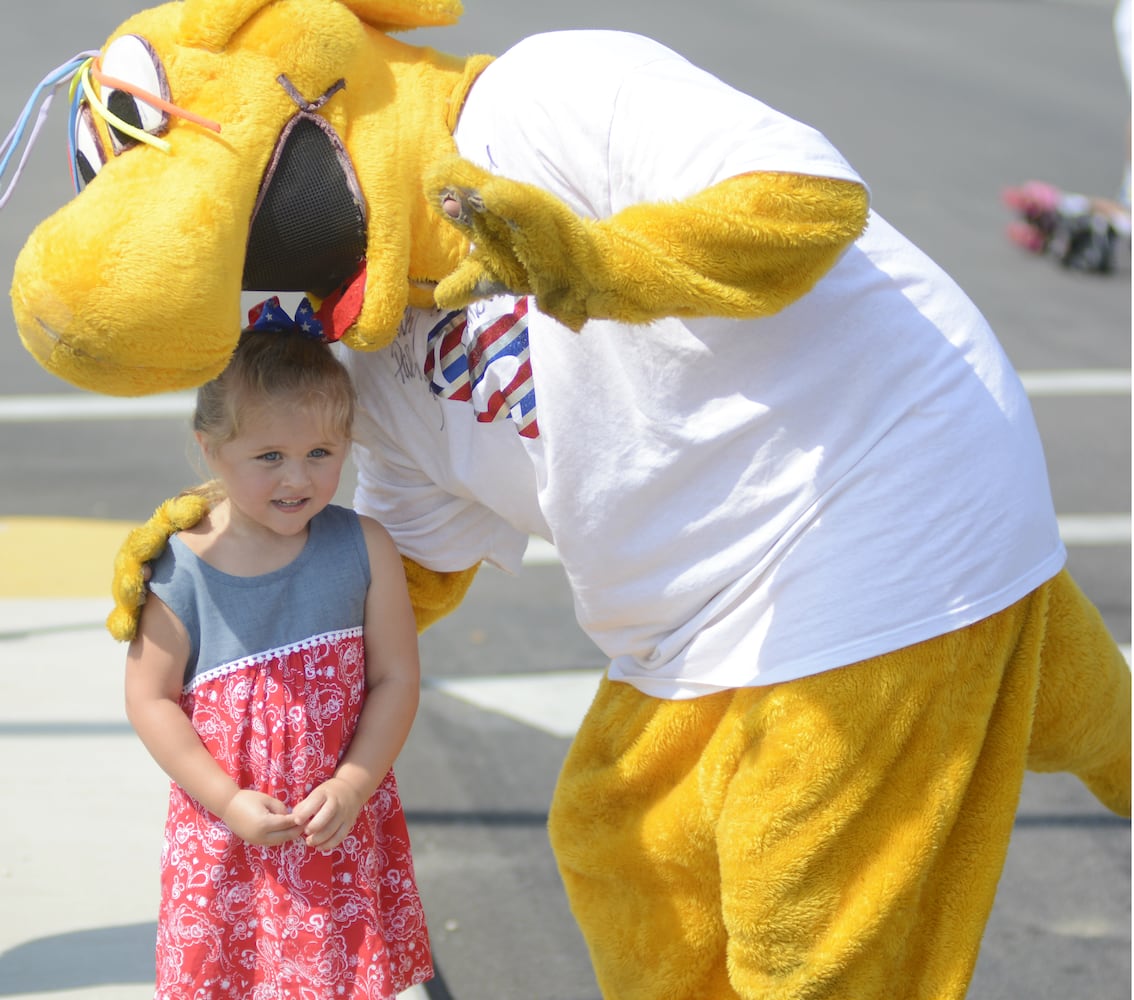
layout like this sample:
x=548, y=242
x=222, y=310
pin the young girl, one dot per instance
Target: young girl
x=274, y=676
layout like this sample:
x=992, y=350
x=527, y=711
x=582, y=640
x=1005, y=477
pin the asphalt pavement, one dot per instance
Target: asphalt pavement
x=939, y=104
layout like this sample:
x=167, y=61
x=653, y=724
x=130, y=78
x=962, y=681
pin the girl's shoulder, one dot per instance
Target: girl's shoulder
x=341, y=523
x=339, y=532
x=193, y=539
x=381, y=552
x=335, y=514
x=176, y=554
x=373, y=531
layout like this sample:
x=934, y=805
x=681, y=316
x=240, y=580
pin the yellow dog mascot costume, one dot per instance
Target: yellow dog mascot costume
x=589, y=292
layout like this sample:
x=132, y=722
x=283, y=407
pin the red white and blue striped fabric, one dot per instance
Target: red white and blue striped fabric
x=487, y=363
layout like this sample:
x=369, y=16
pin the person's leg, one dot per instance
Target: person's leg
x=865, y=832
x=834, y=837
x=634, y=839
x=837, y=836
x=888, y=793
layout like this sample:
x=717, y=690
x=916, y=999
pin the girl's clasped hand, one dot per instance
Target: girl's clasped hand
x=323, y=819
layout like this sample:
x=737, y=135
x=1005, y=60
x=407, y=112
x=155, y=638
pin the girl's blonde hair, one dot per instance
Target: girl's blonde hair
x=272, y=368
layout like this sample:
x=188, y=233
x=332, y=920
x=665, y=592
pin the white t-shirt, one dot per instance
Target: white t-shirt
x=735, y=502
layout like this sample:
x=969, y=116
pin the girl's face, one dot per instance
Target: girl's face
x=282, y=468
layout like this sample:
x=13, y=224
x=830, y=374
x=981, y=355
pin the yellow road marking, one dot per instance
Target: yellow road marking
x=58, y=556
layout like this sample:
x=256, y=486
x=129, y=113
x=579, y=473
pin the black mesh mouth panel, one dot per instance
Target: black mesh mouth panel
x=308, y=230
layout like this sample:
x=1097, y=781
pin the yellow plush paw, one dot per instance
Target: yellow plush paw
x=524, y=242
x=745, y=247
x=434, y=594
x=143, y=544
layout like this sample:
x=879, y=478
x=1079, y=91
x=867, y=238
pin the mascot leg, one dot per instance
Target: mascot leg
x=1082, y=716
x=834, y=837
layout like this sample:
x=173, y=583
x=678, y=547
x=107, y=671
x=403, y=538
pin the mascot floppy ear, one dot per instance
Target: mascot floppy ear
x=232, y=145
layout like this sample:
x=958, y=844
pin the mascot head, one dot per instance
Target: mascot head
x=224, y=146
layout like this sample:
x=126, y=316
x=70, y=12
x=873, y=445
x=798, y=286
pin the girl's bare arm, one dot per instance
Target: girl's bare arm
x=393, y=680
x=155, y=667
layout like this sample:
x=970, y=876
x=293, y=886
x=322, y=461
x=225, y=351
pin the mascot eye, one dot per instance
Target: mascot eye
x=130, y=62
x=90, y=155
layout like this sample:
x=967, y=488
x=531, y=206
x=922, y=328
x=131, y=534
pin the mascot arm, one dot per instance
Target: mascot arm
x=143, y=544
x=746, y=247
x=433, y=594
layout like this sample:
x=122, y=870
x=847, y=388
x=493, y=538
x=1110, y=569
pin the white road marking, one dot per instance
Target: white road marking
x=553, y=701
x=1077, y=382
x=1094, y=529
x=83, y=406
x=56, y=634
x=60, y=407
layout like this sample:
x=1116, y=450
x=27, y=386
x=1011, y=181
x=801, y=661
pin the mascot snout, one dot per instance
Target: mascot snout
x=113, y=314
x=241, y=145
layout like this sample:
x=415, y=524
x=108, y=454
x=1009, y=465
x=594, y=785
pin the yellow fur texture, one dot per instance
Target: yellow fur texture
x=143, y=544
x=134, y=286
x=746, y=247
x=433, y=594
x=839, y=837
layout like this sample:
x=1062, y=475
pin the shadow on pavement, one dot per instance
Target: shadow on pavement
x=77, y=959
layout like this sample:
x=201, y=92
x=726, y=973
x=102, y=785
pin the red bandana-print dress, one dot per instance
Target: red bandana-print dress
x=242, y=922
